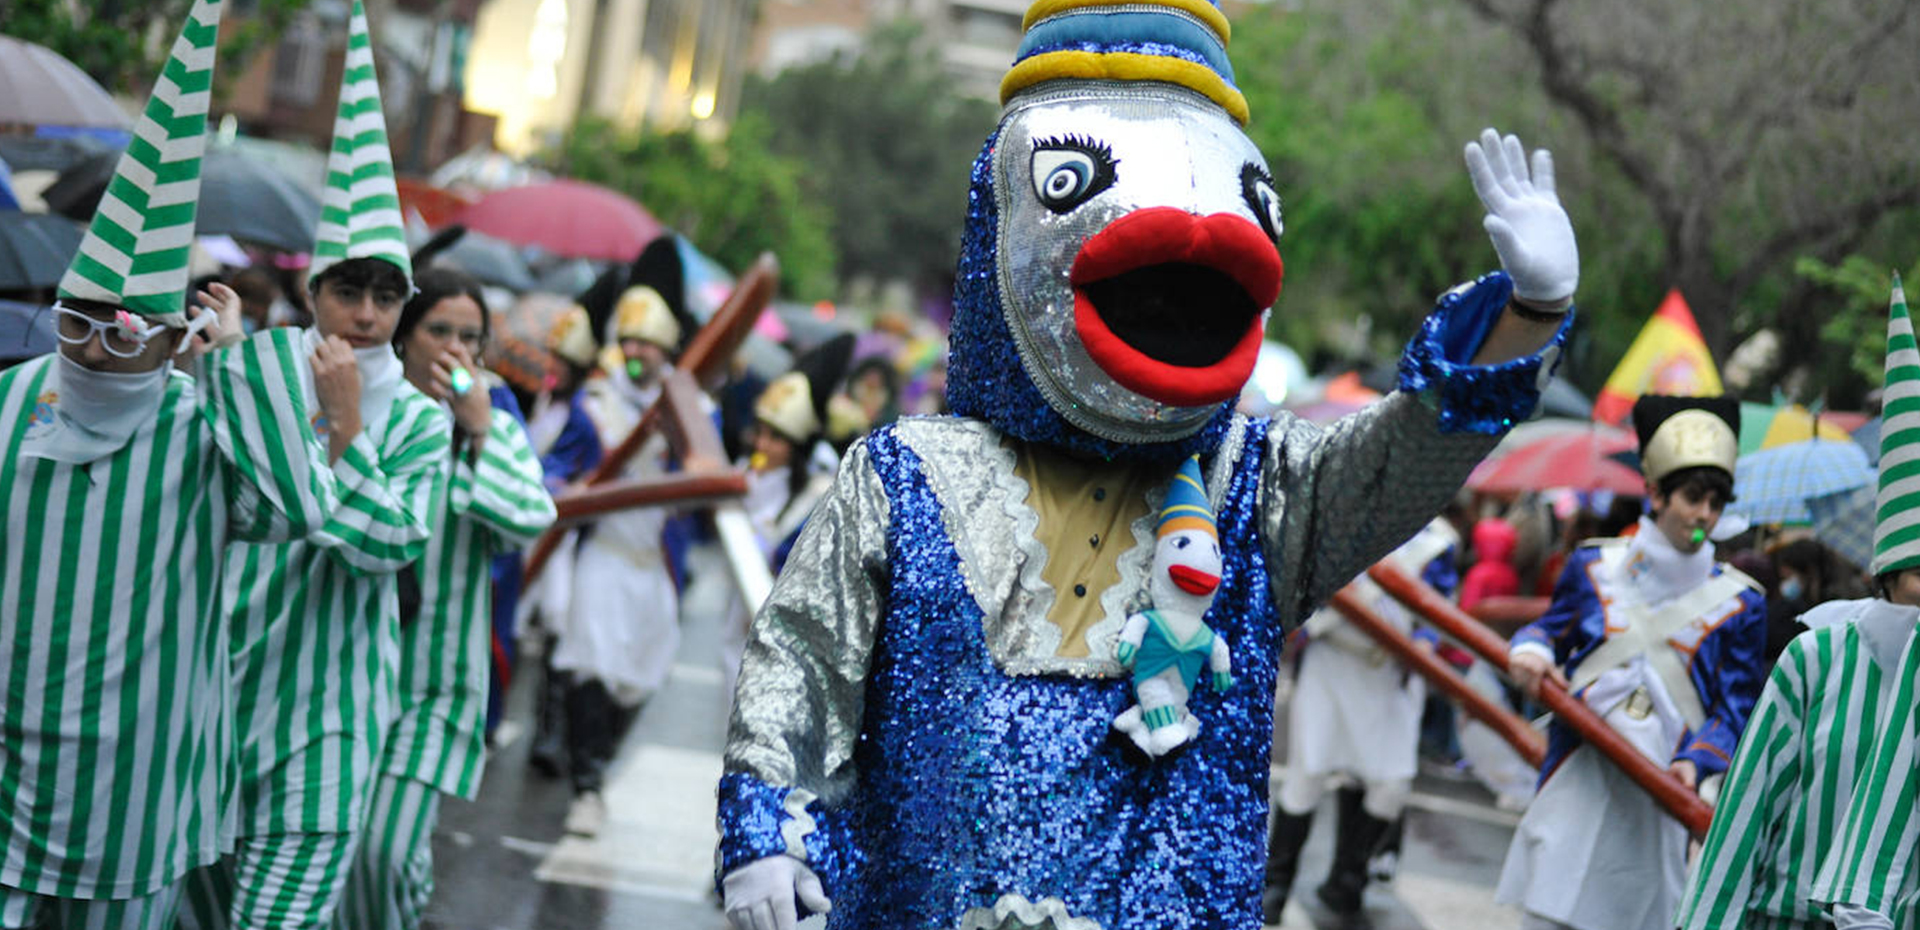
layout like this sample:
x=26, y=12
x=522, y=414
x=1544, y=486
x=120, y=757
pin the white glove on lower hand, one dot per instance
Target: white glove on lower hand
x=760, y=894
x=1528, y=226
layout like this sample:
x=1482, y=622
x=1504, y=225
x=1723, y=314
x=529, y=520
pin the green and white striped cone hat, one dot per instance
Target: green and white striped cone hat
x=1896, y=531
x=135, y=252
x=360, y=208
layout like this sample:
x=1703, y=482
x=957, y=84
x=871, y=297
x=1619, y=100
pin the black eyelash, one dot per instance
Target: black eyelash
x=1086, y=144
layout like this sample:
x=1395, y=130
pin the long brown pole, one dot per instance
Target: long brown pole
x=1523, y=738
x=705, y=361
x=680, y=488
x=707, y=355
x=1677, y=798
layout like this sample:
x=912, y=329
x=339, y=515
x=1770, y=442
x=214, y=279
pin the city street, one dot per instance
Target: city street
x=504, y=863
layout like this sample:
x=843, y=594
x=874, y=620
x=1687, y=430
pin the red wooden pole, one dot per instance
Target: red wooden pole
x=1523, y=738
x=704, y=362
x=1678, y=799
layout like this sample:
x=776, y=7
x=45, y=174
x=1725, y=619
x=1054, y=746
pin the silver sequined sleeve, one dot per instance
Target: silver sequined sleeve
x=803, y=677
x=1338, y=499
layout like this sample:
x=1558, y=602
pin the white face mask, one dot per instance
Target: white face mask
x=85, y=415
x=380, y=377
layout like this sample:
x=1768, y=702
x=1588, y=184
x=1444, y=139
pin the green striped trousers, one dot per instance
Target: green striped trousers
x=24, y=909
x=288, y=881
x=391, y=877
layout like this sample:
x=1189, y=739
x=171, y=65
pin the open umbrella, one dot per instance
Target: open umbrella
x=1867, y=437
x=1845, y=521
x=491, y=262
x=1774, y=485
x=1579, y=460
x=570, y=218
x=40, y=87
x=26, y=330
x=35, y=249
x=1764, y=427
x=435, y=205
x=240, y=196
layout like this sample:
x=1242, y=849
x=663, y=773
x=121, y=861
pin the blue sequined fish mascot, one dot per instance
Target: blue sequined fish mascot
x=922, y=733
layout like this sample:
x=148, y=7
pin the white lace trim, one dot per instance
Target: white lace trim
x=1014, y=912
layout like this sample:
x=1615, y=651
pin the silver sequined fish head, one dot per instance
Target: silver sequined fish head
x=1138, y=231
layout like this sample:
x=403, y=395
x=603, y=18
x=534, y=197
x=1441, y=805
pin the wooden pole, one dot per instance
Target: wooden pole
x=1678, y=799
x=703, y=363
x=1523, y=738
x=707, y=355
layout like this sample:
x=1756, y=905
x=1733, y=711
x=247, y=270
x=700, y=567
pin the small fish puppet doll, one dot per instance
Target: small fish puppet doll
x=1165, y=645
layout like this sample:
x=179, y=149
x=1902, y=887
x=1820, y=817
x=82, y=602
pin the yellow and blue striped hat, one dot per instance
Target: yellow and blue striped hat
x=1187, y=507
x=1181, y=42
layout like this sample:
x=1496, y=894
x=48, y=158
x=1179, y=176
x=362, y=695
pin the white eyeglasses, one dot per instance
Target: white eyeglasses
x=124, y=336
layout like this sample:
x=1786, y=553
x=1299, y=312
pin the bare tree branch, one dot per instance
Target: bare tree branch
x=1851, y=220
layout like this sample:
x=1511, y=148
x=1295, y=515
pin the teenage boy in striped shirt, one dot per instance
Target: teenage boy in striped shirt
x=316, y=620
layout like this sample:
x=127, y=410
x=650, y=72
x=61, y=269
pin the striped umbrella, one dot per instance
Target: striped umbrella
x=1774, y=485
x=1764, y=426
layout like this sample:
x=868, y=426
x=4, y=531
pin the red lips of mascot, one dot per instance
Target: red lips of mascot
x=1192, y=580
x=1217, y=251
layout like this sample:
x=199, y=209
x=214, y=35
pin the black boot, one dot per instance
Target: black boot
x=1357, y=837
x=1289, y=833
x=593, y=722
x=1384, y=861
x=548, y=753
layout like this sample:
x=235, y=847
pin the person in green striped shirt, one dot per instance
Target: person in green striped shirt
x=122, y=480
x=1869, y=879
x=497, y=502
x=1796, y=768
x=315, y=621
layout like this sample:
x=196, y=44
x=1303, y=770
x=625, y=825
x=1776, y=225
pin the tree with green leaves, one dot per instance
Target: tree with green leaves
x=887, y=145
x=733, y=198
x=1689, y=154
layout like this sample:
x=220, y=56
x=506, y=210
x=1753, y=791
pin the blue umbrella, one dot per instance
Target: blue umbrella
x=26, y=330
x=35, y=249
x=1868, y=437
x=1774, y=485
x=1845, y=522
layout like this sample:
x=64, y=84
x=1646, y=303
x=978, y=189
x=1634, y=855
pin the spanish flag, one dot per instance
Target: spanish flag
x=1668, y=357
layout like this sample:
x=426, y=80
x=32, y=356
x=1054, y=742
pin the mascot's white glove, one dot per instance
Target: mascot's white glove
x=759, y=895
x=1525, y=220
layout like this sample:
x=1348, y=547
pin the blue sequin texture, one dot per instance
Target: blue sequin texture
x=974, y=783
x=985, y=376
x=1485, y=399
x=1161, y=49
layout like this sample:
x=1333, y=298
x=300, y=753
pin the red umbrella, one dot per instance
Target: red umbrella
x=1566, y=460
x=568, y=218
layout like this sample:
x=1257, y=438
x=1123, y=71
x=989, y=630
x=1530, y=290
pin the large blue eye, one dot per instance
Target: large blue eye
x=1070, y=171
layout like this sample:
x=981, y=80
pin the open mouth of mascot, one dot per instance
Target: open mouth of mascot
x=1169, y=303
